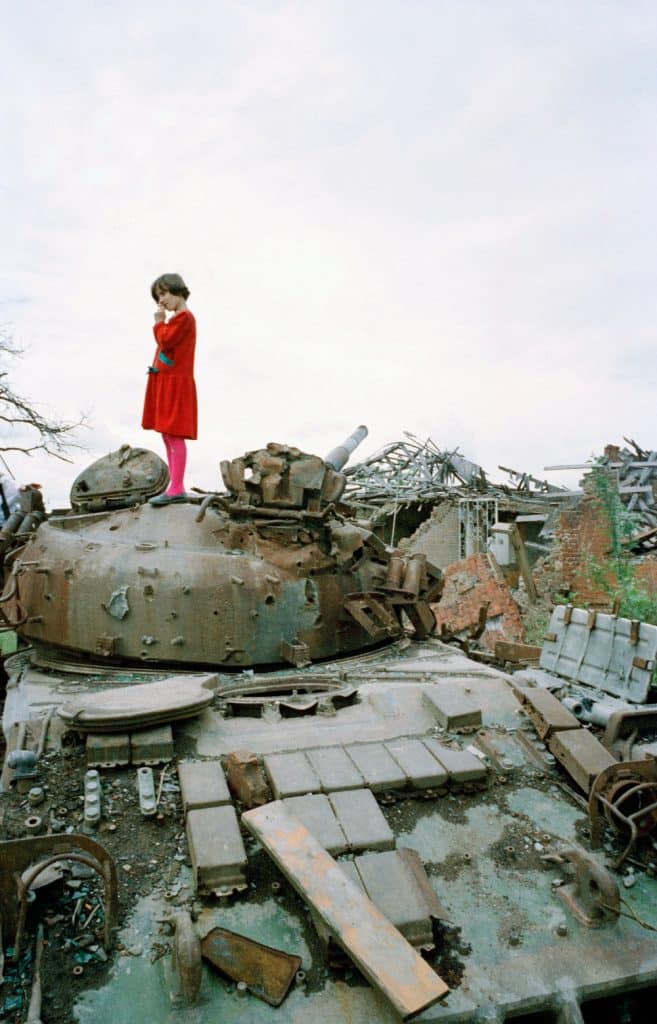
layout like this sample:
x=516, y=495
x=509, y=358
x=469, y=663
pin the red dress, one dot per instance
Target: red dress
x=170, y=403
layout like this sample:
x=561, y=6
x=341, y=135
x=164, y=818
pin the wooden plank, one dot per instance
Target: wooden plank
x=383, y=955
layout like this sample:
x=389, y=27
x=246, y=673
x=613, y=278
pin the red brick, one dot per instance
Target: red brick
x=470, y=584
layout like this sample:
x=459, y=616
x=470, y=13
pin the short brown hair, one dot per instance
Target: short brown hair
x=169, y=283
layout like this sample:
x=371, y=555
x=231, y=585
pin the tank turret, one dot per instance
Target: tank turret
x=267, y=572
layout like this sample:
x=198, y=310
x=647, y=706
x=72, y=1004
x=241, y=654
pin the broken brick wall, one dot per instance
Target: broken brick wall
x=469, y=584
x=582, y=535
x=438, y=537
x=646, y=572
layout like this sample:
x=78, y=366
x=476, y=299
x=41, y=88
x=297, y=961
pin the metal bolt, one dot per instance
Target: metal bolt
x=241, y=989
x=562, y=929
x=36, y=796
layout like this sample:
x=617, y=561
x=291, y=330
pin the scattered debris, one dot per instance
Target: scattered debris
x=267, y=973
x=246, y=779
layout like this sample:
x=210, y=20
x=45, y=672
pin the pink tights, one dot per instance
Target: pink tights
x=177, y=458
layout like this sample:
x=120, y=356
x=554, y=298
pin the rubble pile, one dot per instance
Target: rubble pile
x=635, y=472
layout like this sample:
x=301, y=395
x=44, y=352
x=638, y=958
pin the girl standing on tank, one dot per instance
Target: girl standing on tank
x=170, y=403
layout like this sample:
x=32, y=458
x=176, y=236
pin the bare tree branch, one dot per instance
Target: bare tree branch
x=36, y=430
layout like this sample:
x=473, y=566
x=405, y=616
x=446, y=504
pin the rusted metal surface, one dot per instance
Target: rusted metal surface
x=264, y=574
x=186, y=963
x=622, y=724
x=624, y=796
x=22, y=861
x=581, y=754
x=140, y=706
x=507, y=650
x=216, y=850
x=545, y=711
x=122, y=478
x=299, y=694
x=34, y=1009
x=246, y=779
x=267, y=973
x=378, y=949
x=593, y=896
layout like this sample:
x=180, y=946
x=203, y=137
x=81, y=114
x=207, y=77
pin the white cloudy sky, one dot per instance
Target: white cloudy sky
x=425, y=215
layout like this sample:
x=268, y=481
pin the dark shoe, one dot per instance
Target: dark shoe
x=167, y=499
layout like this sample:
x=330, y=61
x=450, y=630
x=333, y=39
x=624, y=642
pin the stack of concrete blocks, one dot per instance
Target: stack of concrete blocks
x=213, y=833
x=144, y=747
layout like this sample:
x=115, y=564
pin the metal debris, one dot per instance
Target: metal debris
x=267, y=973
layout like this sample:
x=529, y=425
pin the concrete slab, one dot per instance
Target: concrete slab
x=581, y=754
x=151, y=746
x=386, y=959
x=453, y=708
x=316, y=813
x=362, y=820
x=460, y=765
x=108, y=751
x=202, y=784
x=216, y=850
x=291, y=775
x=335, y=769
x=420, y=767
x=377, y=766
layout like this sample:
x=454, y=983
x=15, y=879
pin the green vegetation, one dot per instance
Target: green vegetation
x=536, y=621
x=616, y=575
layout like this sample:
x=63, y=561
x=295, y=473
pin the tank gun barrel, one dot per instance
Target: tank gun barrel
x=338, y=457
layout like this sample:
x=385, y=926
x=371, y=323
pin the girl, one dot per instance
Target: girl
x=170, y=403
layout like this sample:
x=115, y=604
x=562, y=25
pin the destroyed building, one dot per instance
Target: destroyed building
x=263, y=761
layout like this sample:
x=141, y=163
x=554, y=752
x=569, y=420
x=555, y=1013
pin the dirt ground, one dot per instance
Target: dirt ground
x=147, y=852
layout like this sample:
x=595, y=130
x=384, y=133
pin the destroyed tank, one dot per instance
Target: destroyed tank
x=270, y=571
x=439, y=811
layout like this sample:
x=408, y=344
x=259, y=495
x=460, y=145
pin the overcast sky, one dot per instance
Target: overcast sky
x=427, y=215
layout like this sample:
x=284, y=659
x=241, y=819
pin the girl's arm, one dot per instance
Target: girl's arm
x=169, y=336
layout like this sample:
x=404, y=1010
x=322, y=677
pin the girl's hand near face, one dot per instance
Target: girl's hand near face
x=159, y=314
